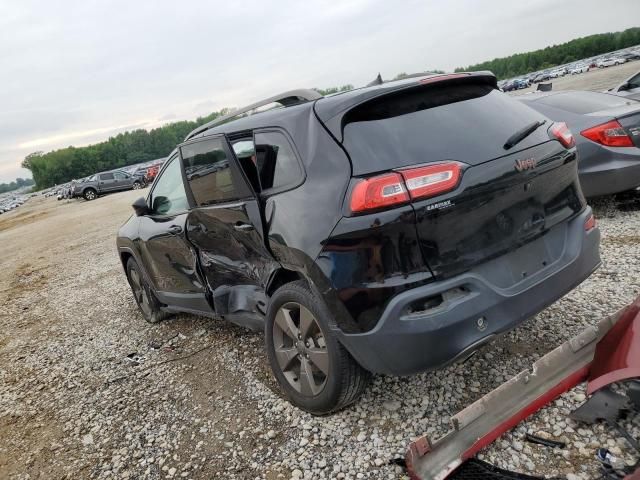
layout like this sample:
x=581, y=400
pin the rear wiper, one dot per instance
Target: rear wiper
x=522, y=134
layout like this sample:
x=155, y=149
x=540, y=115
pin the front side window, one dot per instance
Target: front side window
x=634, y=82
x=168, y=196
x=276, y=162
x=106, y=176
x=210, y=174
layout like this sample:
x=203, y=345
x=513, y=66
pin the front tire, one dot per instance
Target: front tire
x=89, y=194
x=147, y=302
x=315, y=371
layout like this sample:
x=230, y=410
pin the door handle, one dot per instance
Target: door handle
x=243, y=227
x=175, y=229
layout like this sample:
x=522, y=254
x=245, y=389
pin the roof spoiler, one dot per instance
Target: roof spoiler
x=292, y=97
x=331, y=110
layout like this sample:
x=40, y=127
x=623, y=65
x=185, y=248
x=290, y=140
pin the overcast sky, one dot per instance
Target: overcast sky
x=76, y=72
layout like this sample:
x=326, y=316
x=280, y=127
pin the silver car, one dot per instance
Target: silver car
x=607, y=132
x=630, y=88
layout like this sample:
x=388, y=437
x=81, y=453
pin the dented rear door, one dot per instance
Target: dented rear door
x=225, y=227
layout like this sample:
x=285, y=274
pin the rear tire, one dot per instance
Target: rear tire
x=315, y=371
x=90, y=194
x=136, y=186
x=147, y=302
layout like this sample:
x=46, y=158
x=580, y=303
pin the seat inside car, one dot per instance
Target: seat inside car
x=266, y=160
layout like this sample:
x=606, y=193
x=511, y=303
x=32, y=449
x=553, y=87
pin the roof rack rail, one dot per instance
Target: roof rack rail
x=292, y=97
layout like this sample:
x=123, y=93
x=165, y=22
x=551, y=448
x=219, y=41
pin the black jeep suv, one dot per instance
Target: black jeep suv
x=390, y=229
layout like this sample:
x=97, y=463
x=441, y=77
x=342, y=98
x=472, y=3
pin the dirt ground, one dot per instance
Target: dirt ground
x=67, y=325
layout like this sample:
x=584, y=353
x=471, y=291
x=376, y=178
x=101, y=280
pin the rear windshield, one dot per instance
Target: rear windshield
x=583, y=102
x=465, y=122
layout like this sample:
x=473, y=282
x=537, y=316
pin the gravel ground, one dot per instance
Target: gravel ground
x=88, y=389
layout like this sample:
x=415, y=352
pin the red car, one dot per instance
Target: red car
x=152, y=171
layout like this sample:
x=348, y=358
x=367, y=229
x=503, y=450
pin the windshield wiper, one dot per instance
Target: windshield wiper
x=522, y=134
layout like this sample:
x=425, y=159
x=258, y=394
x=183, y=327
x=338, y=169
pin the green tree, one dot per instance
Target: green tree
x=18, y=183
x=548, y=57
x=128, y=148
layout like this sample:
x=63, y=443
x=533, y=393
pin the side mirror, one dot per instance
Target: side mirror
x=140, y=207
x=623, y=87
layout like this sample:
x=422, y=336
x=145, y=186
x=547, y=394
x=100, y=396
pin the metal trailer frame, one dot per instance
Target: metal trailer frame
x=602, y=354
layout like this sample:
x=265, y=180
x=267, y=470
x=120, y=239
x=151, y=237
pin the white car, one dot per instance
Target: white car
x=610, y=62
x=578, y=69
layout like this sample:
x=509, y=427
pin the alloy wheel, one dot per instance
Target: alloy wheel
x=91, y=195
x=300, y=349
x=136, y=186
x=140, y=292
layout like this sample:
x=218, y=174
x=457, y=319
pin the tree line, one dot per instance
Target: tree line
x=577, y=49
x=128, y=148
x=18, y=183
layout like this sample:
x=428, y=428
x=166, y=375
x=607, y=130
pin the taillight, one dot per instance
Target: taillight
x=610, y=134
x=431, y=180
x=397, y=188
x=590, y=224
x=378, y=192
x=560, y=131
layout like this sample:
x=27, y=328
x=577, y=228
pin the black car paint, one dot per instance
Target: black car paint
x=502, y=208
x=356, y=263
x=370, y=259
x=294, y=250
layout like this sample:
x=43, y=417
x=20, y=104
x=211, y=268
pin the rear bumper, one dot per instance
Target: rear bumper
x=613, y=170
x=502, y=292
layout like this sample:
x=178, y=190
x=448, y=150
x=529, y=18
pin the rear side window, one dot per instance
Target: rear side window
x=465, y=122
x=583, y=102
x=210, y=174
x=277, y=164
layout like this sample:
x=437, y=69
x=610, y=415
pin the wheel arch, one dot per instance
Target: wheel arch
x=126, y=253
x=281, y=277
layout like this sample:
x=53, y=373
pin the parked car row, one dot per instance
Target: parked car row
x=573, y=68
x=11, y=201
x=579, y=68
x=148, y=170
